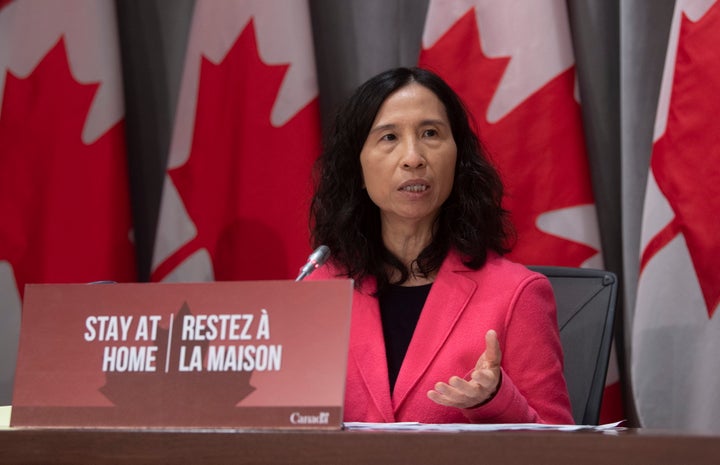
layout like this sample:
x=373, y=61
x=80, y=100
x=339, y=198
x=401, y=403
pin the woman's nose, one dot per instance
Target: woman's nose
x=412, y=156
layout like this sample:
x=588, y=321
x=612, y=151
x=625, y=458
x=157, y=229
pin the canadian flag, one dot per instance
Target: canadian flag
x=512, y=63
x=64, y=202
x=676, y=329
x=247, y=131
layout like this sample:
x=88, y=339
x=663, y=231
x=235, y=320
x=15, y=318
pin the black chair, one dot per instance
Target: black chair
x=586, y=301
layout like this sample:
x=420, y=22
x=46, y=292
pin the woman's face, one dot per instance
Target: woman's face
x=408, y=159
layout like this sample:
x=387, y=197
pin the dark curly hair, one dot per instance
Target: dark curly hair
x=343, y=217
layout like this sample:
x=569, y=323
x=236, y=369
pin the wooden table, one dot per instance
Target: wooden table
x=78, y=446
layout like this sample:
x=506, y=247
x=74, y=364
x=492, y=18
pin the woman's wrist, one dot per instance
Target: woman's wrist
x=490, y=397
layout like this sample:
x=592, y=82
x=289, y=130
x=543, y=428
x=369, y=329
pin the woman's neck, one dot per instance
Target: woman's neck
x=406, y=241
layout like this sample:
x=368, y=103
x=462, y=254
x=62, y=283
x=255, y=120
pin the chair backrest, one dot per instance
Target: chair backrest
x=586, y=301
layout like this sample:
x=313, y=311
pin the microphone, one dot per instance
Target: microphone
x=315, y=261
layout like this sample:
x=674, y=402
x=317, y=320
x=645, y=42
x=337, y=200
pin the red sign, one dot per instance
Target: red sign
x=225, y=354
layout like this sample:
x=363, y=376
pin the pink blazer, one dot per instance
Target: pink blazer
x=448, y=340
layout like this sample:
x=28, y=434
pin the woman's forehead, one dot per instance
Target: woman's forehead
x=411, y=101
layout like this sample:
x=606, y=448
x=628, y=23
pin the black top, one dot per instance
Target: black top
x=400, y=309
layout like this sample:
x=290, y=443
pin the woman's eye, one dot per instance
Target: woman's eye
x=430, y=133
x=388, y=137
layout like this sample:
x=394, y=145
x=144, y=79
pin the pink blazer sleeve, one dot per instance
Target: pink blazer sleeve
x=533, y=388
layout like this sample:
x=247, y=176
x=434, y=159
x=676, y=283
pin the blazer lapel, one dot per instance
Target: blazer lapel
x=368, y=349
x=448, y=298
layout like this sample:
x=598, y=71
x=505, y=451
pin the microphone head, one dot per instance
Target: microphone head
x=314, y=261
x=319, y=255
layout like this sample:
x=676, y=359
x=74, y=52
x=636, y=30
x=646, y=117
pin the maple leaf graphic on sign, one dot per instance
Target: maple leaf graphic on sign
x=246, y=184
x=175, y=395
x=685, y=159
x=538, y=147
x=64, y=203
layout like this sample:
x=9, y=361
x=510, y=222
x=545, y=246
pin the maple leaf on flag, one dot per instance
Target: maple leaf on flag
x=64, y=204
x=246, y=184
x=538, y=147
x=685, y=158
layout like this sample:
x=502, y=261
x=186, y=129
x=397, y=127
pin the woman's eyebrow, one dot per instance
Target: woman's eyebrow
x=425, y=122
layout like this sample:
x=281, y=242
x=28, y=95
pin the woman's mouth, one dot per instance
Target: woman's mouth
x=414, y=186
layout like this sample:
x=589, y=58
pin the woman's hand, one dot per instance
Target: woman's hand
x=483, y=384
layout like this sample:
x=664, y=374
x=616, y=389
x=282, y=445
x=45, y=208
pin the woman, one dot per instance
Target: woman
x=444, y=329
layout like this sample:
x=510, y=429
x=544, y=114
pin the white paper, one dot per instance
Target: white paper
x=5, y=416
x=455, y=427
